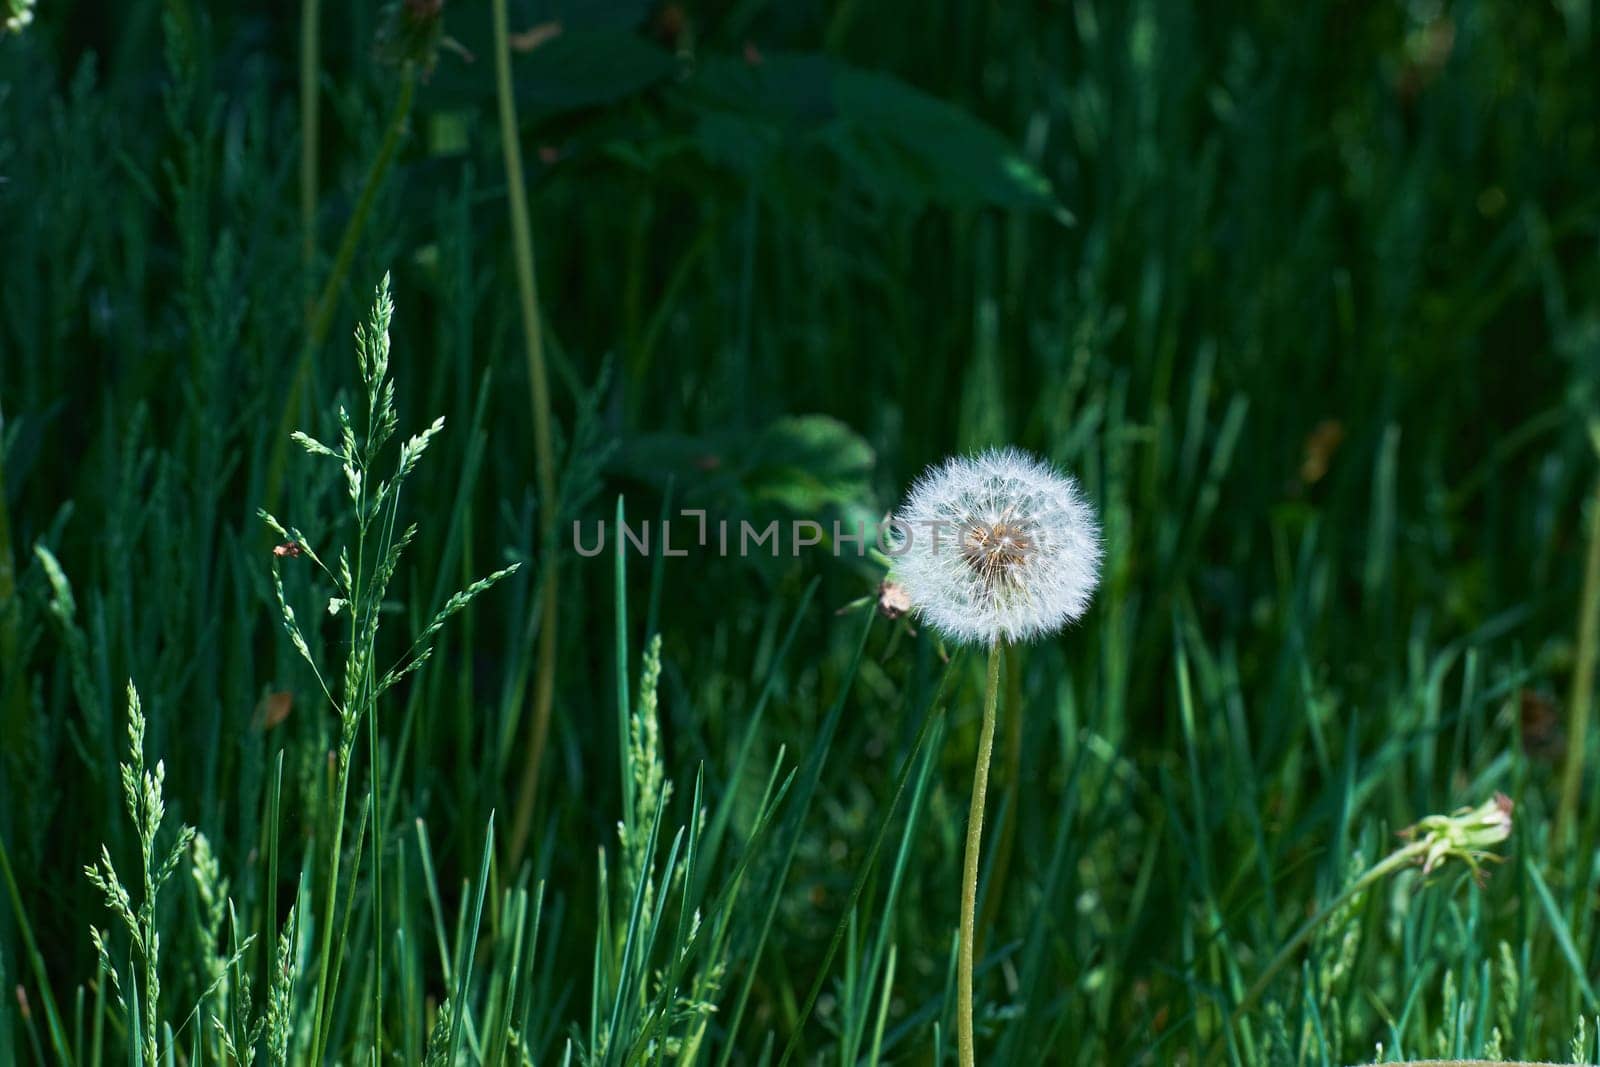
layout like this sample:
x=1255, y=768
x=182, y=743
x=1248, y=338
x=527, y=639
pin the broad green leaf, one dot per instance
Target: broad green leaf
x=930, y=146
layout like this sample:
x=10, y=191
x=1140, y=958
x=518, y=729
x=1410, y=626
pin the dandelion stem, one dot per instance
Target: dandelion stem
x=969, y=878
x=1006, y=831
x=1401, y=857
x=533, y=336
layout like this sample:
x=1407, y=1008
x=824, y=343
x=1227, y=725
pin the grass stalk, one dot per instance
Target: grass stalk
x=969, y=874
x=322, y=318
x=1581, y=705
x=321, y=315
x=8, y=566
x=52, y=1016
x=533, y=338
x=149, y=940
x=310, y=116
x=13, y=702
x=319, y=1031
x=375, y=799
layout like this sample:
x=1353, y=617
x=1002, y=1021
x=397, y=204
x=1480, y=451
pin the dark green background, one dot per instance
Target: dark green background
x=789, y=254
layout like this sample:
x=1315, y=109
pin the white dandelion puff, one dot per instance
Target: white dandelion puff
x=996, y=547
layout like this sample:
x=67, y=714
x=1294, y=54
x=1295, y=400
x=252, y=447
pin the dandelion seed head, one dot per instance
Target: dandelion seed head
x=996, y=546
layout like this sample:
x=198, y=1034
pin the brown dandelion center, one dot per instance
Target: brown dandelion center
x=996, y=551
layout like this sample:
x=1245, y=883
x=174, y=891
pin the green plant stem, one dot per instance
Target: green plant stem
x=35, y=960
x=8, y=568
x=379, y=941
x=1581, y=704
x=969, y=876
x=310, y=55
x=1401, y=857
x=1010, y=780
x=319, y=1032
x=533, y=337
x=149, y=943
x=323, y=317
x=369, y=697
x=322, y=311
x=13, y=702
x=364, y=696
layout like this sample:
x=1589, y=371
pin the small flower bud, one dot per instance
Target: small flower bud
x=1466, y=834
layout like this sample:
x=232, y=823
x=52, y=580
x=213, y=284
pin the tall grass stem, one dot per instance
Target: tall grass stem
x=310, y=62
x=35, y=959
x=533, y=337
x=322, y=311
x=13, y=702
x=319, y=1019
x=1581, y=705
x=322, y=318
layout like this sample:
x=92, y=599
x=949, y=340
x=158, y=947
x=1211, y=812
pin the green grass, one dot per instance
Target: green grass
x=1306, y=295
